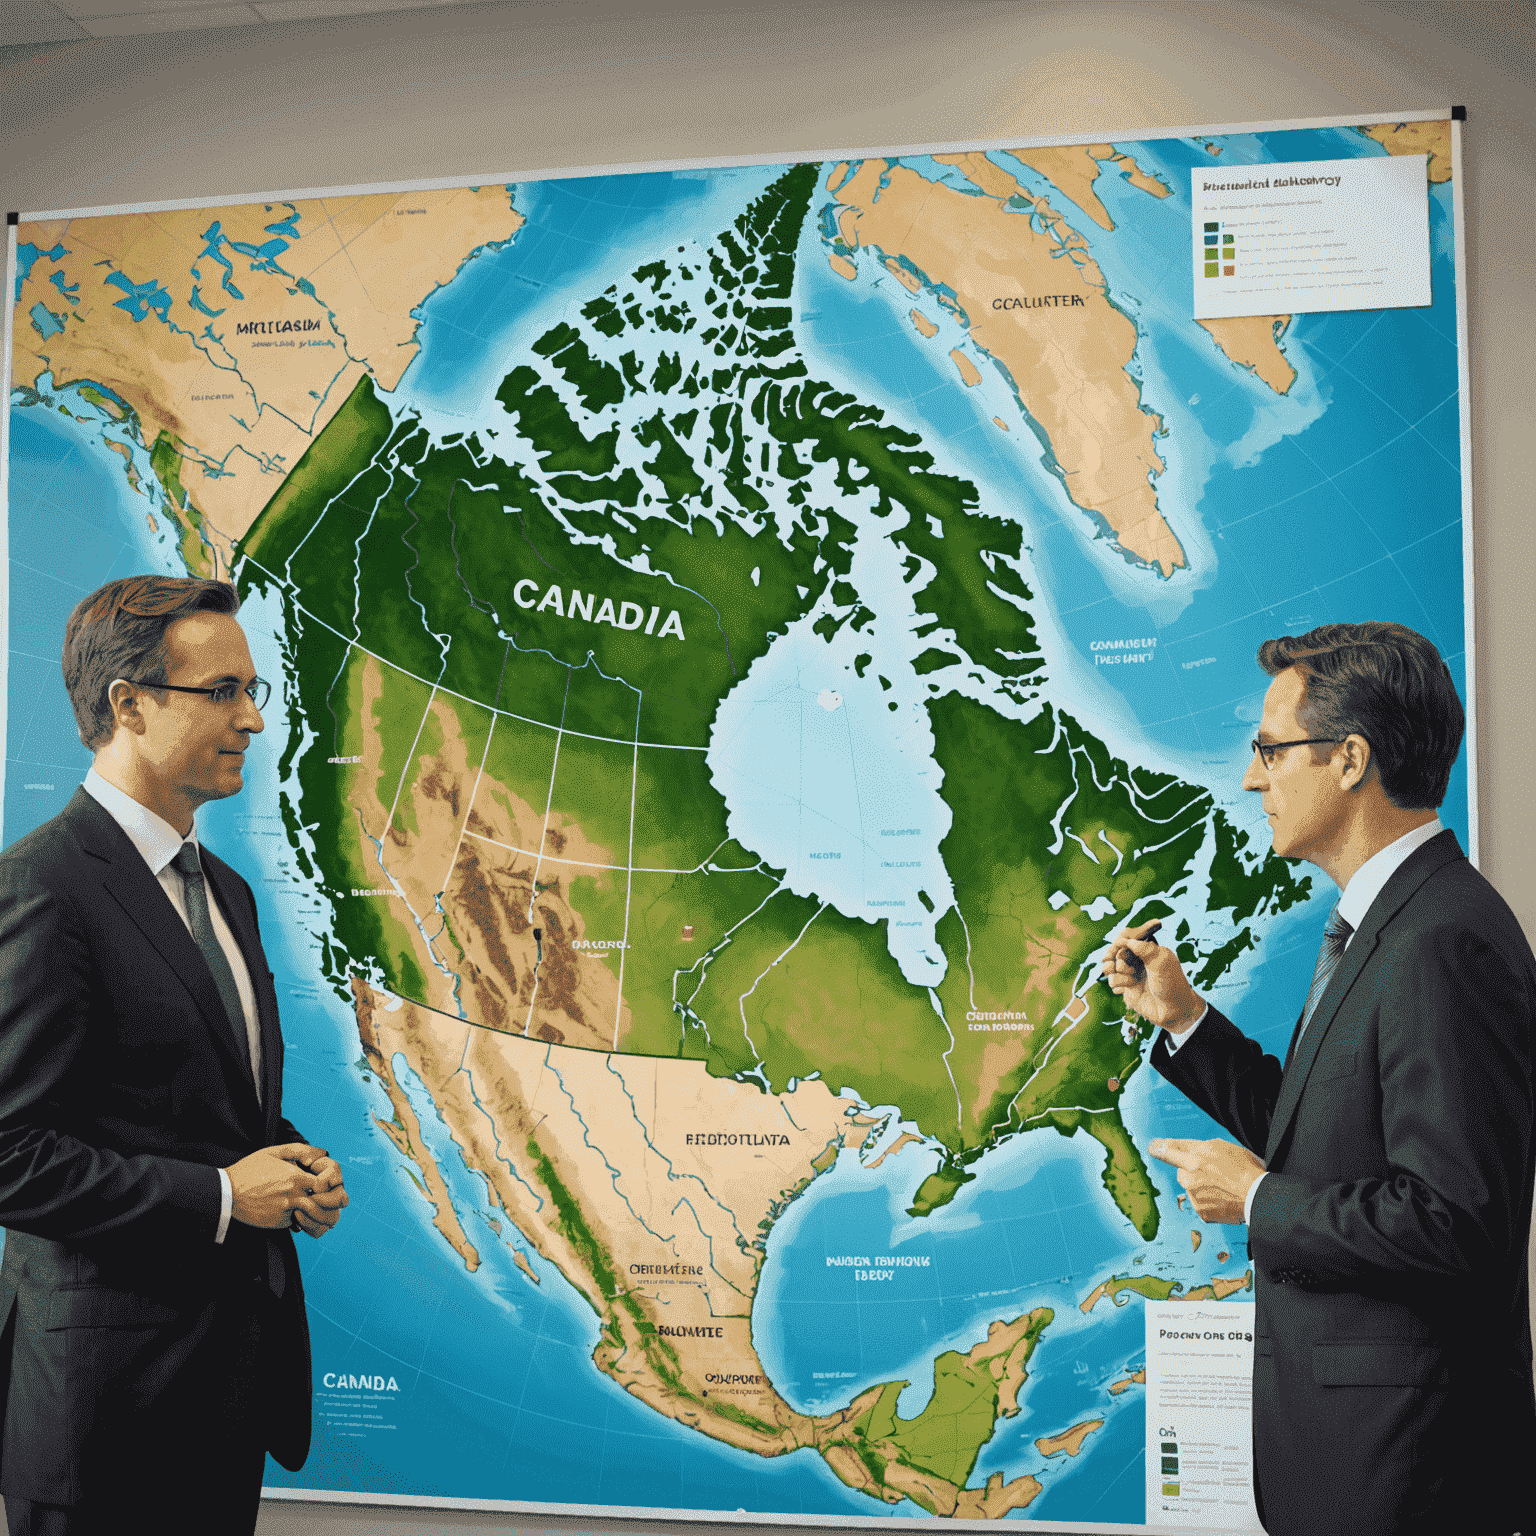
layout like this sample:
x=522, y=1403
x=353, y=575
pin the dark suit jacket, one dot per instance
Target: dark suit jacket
x=122, y=1089
x=1392, y=1371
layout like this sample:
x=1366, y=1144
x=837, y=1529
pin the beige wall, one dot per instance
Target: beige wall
x=503, y=89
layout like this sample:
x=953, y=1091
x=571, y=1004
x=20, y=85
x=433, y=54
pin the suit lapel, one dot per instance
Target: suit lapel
x=1394, y=895
x=130, y=884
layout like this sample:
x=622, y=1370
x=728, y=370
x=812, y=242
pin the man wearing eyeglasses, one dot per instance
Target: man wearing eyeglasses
x=1385, y=1168
x=153, y=1339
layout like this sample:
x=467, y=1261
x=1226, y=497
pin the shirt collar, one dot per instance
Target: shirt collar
x=155, y=838
x=1366, y=883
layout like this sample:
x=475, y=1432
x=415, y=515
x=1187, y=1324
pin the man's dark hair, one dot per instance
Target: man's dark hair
x=119, y=632
x=1384, y=682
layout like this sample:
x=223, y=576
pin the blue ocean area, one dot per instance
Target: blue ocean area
x=1339, y=500
x=581, y=234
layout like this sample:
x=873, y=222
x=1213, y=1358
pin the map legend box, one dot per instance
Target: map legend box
x=1310, y=237
x=1199, y=1389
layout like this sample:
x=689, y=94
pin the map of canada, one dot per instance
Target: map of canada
x=746, y=640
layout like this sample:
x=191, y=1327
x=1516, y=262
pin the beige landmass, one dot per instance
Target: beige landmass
x=967, y=369
x=1135, y=1378
x=1195, y=1239
x=1219, y=1289
x=446, y=838
x=239, y=407
x=653, y=1187
x=126, y=454
x=1066, y=357
x=1000, y=422
x=1069, y=1440
x=924, y=324
x=907, y=280
x=1073, y=168
x=906, y=1139
x=1253, y=342
x=843, y=267
x=1432, y=139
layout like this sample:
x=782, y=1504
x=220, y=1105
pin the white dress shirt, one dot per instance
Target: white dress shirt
x=158, y=842
x=1363, y=887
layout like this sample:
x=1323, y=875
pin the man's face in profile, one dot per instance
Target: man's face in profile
x=1301, y=793
x=192, y=745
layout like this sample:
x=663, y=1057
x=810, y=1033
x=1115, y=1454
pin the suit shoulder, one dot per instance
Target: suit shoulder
x=53, y=846
x=1458, y=901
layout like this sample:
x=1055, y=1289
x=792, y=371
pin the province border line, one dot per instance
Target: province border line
x=543, y=725
x=639, y=869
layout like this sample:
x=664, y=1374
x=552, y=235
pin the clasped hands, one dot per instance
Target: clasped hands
x=1147, y=976
x=293, y=1185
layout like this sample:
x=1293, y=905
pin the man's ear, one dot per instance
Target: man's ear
x=127, y=706
x=1359, y=765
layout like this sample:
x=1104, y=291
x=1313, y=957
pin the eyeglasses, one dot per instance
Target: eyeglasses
x=258, y=690
x=1267, y=749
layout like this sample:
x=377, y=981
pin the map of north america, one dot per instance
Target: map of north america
x=553, y=676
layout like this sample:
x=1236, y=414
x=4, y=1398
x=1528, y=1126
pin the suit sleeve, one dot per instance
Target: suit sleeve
x=55, y=1184
x=1455, y=1100
x=1229, y=1076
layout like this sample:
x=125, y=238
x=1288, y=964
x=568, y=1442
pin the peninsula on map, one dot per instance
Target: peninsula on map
x=1071, y=376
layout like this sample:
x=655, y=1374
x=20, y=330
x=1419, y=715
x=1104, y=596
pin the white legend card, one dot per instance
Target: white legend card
x=1311, y=236
x=1199, y=1415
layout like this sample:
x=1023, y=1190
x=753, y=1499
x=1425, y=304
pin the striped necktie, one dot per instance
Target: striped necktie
x=1336, y=934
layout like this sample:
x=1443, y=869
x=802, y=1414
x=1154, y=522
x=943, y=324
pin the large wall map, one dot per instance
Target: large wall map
x=746, y=639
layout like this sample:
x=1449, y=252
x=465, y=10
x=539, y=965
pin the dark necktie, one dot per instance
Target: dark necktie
x=1336, y=934
x=190, y=868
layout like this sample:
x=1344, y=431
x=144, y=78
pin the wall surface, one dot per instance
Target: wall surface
x=500, y=90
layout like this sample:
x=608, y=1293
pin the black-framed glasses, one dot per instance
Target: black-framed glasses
x=1267, y=749
x=258, y=690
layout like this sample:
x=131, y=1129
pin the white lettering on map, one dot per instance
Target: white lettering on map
x=1113, y=653
x=898, y=1261
x=579, y=605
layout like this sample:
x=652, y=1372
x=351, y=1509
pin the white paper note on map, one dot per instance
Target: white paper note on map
x=1311, y=236
x=1199, y=1435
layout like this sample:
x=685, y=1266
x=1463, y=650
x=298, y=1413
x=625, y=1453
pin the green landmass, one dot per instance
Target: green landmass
x=1150, y=1286
x=716, y=505
x=956, y=1422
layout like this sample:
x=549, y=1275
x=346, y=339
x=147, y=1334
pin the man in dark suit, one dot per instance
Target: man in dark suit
x=1392, y=1386
x=153, y=1340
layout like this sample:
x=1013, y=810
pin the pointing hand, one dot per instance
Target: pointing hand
x=1217, y=1174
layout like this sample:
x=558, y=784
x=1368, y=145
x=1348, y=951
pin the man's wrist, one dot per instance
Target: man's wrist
x=226, y=1205
x=1253, y=1190
x=1178, y=1037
